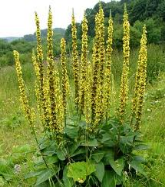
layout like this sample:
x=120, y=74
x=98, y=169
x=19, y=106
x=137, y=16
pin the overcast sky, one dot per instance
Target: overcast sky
x=17, y=16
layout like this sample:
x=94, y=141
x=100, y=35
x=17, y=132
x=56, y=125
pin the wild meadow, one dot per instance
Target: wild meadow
x=84, y=120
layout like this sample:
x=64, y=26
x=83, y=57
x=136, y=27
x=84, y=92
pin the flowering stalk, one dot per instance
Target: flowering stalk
x=87, y=94
x=56, y=111
x=99, y=63
x=23, y=96
x=75, y=60
x=101, y=44
x=124, y=77
x=65, y=81
x=107, y=77
x=140, y=82
x=95, y=61
x=39, y=69
x=83, y=74
x=24, y=101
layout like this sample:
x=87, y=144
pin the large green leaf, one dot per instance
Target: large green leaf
x=49, y=160
x=99, y=173
x=117, y=165
x=78, y=152
x=137, y=166
x=98, y=155
x=33, y=174
x=109, y=156
x=80, y=170
x=68, y=182
x=71, y=131
x=61, y=154
x=45, y=175
x=108, y=180
x=91, y=143
x=141, y=147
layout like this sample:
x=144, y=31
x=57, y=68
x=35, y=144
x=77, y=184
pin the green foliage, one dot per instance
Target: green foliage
x=89, y=159
x=10, y=165
x=149, y=12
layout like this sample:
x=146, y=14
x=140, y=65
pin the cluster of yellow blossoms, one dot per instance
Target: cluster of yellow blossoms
x=93, y=81
x=75, y=60
x=124, y=78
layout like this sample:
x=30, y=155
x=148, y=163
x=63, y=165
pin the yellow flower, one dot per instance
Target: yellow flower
x=88, y=94
x=39, y=69
x=56, y=106
x=65, y=79
x=75, y=60
x=99, y=63
x=107, y=75
x=83, y=75
x=95, y=62
x=124, y=78
x=140, y=82
x=23, y=96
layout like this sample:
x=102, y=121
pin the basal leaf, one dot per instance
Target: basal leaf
x=141, y=147
x=68, y=182
x=137, y=166
x=61, y=154
x=108, y=179
x=45, y=175
x=91, y=143
x=71, y=131
x=99, y=173
x=80, y=170
x=98, y=155
x=117, y=165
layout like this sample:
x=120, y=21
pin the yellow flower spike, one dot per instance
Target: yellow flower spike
x=87, y=94
x=107, y=76
x=75, y=60
x=65, y=79
x=101, y=43
x=140, y=83
x=38, y=64
x=124, y=78
x=100, y=34
x=55, y=108
x=23, y=96
x=51, y=74
x=59, y=104
x=95, y=61
x=83, y=62
x=50, y=37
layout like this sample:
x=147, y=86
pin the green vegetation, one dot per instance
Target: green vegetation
x=14, y=131
x=85, y=146
x=149, y=12
x=25, y=45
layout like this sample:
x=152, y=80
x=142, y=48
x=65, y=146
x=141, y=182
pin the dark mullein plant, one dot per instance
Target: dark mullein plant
x=65, y=79
x=126, y=54
x=85, y=145
x=83, y=69
x=75, y=60
x=140, y=82
x=107, y=72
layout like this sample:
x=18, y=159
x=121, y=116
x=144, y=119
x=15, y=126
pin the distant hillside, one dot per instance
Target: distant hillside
x=10, y=39
x=148, y=12
x=58, y=32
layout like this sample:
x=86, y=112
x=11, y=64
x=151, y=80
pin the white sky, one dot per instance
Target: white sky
x=17, y=16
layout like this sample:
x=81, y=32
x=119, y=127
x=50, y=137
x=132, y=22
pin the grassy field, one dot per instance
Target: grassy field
x=17, y=145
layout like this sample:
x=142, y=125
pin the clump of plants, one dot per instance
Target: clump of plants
x=82, y=143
